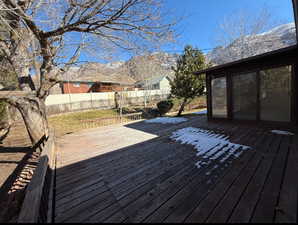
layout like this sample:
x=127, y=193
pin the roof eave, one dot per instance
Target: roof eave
x=234, y=63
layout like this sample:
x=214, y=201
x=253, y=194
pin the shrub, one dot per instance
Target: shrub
x=165, y=106
x=153, y=112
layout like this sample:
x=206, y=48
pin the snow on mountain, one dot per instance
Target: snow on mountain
x=276, y=38
x=280, y=30
x=114, y=65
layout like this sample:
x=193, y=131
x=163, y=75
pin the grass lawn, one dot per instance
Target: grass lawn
x=86, y=115
x=72, y=122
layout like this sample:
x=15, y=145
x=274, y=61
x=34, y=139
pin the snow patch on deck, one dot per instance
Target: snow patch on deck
x=209, y=145
x=167, y=120
x=282, y=132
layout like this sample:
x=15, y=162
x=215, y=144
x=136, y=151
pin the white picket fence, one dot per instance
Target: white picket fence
x=62, y=103
x=72, y=98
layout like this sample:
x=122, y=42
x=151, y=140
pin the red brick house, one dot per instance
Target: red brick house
x=98, y=84
x=71, y=87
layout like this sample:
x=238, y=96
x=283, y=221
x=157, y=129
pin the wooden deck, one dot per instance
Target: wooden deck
x=136, y=173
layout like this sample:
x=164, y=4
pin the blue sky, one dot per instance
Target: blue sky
x=202, y=17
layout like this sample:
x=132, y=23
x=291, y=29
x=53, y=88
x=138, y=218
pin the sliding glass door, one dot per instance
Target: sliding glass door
x=275, y=94
x=244, y=96
x=219, y=97
x=262, y=95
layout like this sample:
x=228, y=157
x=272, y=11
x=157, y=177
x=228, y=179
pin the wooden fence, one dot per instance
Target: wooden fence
x=37, y=206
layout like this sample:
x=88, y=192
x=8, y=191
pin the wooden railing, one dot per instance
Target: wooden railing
x=75, y=126
x=37, y=206
x=111, y=120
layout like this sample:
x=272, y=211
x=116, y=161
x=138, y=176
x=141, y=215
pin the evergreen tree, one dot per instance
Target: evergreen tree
x=186, y=85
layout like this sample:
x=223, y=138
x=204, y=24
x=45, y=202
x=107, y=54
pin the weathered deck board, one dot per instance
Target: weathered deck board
x=288, y=199
x=245, y=207
x=187, y=205
x=185, y=199
x=266, y=206
x=155, y=179
x=206, y=207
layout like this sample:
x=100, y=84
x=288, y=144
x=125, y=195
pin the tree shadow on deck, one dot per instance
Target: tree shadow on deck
x=146, y=179
x=161, y=129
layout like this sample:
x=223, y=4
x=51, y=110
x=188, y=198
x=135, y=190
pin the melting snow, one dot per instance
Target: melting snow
x=210, y=146
x=282, y=132
x=166, y=120
x=201, y=112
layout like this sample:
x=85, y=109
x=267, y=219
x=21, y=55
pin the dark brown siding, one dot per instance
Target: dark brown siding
x=283, y=58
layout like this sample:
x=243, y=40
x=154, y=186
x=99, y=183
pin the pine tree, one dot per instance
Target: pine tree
x=186, y=85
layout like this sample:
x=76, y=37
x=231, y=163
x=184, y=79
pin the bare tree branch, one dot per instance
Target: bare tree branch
x=39, y=32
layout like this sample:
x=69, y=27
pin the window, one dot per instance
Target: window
x=155, y=86
x=245, y=96
x=76, y=84
x=275, y=94
x=219, y=97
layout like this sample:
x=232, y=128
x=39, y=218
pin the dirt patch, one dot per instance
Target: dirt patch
x=13, y=188
x=17, y=163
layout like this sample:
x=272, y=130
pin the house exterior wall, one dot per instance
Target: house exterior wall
x=73, y=88
x=103, y=87
x=273, y=60
x=164, y=84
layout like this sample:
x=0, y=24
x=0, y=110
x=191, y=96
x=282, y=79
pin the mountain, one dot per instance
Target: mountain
x=279, y=37
x=138, y=68
x=156, y=64
x=147, y=66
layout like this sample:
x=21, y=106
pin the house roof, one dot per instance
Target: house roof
x=122, y=79
x=250, y=60
x=153, y=80
x=295, y=9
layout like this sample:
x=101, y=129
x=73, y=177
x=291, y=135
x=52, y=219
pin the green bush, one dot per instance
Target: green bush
x=165, y=106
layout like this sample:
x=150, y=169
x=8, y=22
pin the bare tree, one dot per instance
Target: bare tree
x=147, y=69
x=147, y=66
x=53, y=33
x=237, y=31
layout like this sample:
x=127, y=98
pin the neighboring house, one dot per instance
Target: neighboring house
x=74, y=87
x=261, y=88
x=155, y=83
x=98, y=84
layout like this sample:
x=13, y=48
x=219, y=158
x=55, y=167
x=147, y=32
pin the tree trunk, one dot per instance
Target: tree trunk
x=182, y=107
x=33, y=111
